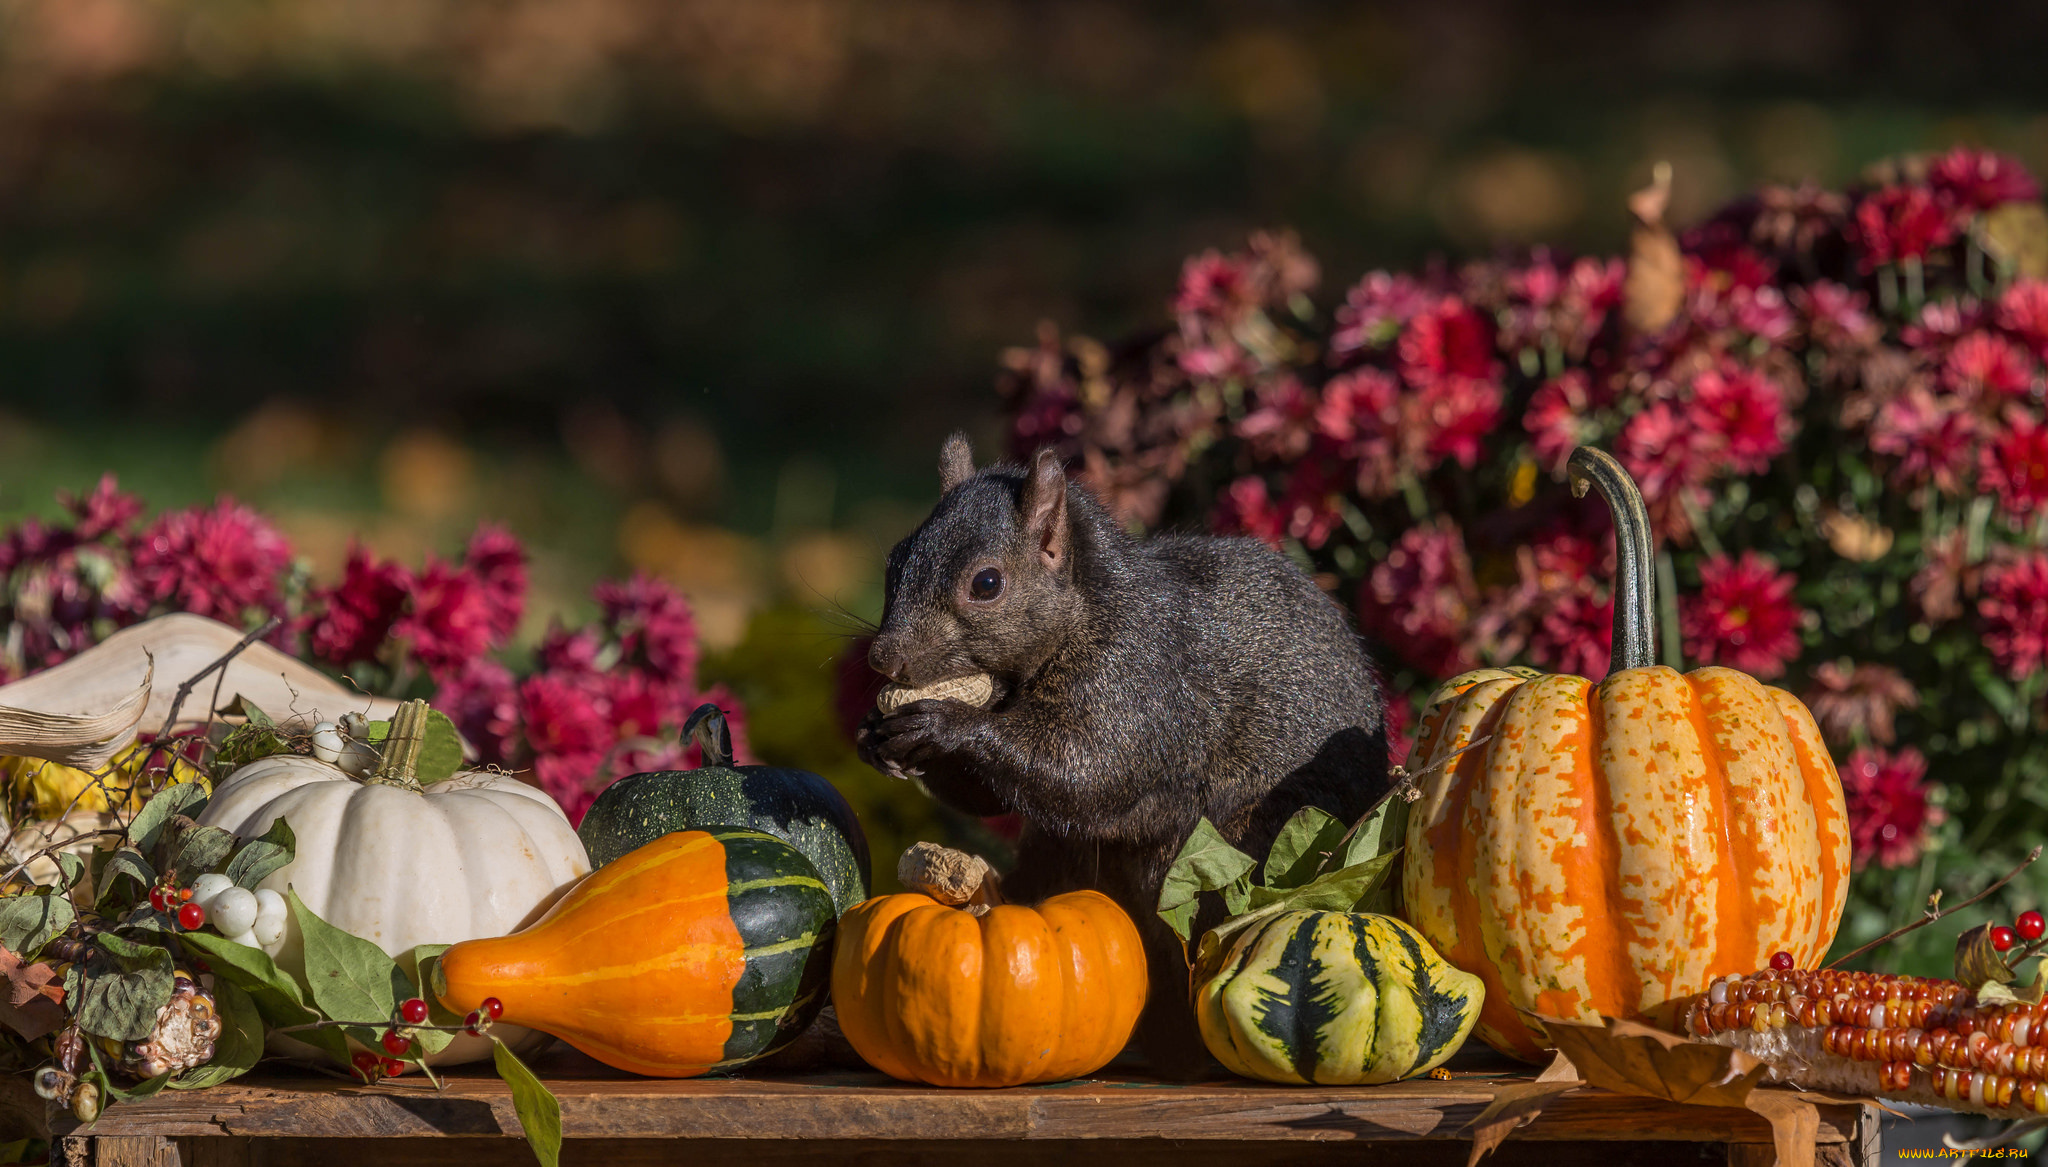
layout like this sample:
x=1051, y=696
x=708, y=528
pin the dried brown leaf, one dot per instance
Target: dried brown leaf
x=1628, y=1057
x=1794, y=1124
x=1517, y=1105
x=1654, y=288
x=31, y=1006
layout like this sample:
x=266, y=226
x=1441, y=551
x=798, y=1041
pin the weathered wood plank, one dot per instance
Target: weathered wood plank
x=978, y=1153
x=869, y=1106
x=134, y=1151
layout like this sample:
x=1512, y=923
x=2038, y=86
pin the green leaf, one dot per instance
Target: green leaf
x=70, y=869
x=250, y=712
x=1207, y=862
x=125, y=863
x=1309, y=838
x=239, y=1046
x=110, y=1093
x=262, y=855
x=1339, y=891
x=28, y=922
x=424, y=960
x=120, y=988
x=1382, y=831
x=540, y=1114
x=440, y=755
x=350, y=978
x=197, y=850
x=277, y=996
x=246, y=744
x=180, y=798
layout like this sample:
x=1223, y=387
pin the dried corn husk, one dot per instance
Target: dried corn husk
x=84, y=711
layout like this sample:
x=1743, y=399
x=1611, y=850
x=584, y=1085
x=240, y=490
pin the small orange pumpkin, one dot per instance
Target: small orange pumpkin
x=1614, y=847
x=944, y=990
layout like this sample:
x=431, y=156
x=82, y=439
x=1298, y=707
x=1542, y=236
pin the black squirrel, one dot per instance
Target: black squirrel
x=1139, y=684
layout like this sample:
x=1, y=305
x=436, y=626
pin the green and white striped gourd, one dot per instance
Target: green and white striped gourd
x=1335, y=998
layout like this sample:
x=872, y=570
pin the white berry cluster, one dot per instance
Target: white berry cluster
x=255, y=918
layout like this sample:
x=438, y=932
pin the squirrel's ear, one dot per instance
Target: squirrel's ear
x=956, y=462
x=1044, y=504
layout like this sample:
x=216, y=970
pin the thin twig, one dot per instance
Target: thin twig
x=1930, y=917
x=220, y=663
x=52, y=849
x=1403, y=782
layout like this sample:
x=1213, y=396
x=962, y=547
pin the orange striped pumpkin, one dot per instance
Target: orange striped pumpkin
x=1613, y=847
x=699, y=951
x=927, y=992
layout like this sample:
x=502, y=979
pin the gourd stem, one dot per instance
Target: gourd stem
x=402, y=745
x=1635, y=556
x=707, y=728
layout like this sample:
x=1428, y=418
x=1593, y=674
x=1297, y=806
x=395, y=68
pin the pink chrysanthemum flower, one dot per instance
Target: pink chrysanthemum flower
x=1743, y=617
x=1574, y=633
x=1448, y=340
x=1980, y=364
x=1560, y=418
x=1745, y=411
x=1864, y=700
x=108, y=510
x=1934, y=439
x=2013, y=464
x=1889, y=809
x=1462, y=411
x=1245, y=509
x=221, y=561
x=1978, y=180
x=2012, y=602
x=1282, y=423
x=498, y=562
x=1899, y=222
x=2023, y=311
x=1421, y=597
x=356, y=614
x=1375, y=310
x=1671, y=460
x=654, y=627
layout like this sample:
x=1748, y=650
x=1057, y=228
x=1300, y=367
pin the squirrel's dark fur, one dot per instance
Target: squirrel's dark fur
x=1140, y=684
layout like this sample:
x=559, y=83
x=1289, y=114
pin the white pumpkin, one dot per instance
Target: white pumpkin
x=476, y=855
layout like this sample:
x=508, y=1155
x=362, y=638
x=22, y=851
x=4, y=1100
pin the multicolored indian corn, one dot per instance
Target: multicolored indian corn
x=1907, y=1038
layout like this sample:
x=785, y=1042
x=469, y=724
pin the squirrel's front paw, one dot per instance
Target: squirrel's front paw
x=903, y=743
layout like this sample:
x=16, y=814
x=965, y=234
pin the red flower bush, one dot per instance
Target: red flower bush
x=608, y=699
x=1849, y=381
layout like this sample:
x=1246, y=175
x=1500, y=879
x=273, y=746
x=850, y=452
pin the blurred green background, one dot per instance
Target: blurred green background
x=698, y=285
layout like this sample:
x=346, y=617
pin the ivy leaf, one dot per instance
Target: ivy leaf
x=277, y=996
x=263, y=855
x=125, y=862
x=181, y=798
x=540, y=1113
x=1298, y=851
x=239, y=1046
x=1207, y=862
x=118, y=991
x=197, y=849
x=440, y=754
x=350, y=978
x=28, y=922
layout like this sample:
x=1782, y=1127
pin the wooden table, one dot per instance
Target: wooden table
x=290, y=1118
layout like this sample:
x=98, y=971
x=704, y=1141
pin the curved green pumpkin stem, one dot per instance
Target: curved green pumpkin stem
x=400, y=766
x=707, y=728
x=1635, y=556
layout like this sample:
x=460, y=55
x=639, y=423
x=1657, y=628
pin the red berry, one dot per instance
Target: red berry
x=413, y=1010
x=494, y=1007
x=157, y=900
x=471, y=1023
x=1782, y=961
x=393, y=1067
x=396, y=1042
x=2003, y=938
x=2031, y=924
x=184, y=895
x=366, y=1064
x=191, y=917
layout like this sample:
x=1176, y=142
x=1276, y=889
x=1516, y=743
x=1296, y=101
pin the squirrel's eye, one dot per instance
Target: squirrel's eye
x=987, y=585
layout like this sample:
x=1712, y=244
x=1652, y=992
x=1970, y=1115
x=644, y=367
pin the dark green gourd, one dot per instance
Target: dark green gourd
x=796, y=806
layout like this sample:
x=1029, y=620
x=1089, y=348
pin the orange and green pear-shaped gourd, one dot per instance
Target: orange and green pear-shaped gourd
x=699, y=951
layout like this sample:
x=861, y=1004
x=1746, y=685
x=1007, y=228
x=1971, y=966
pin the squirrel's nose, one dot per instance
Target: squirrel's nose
x=884, y=658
